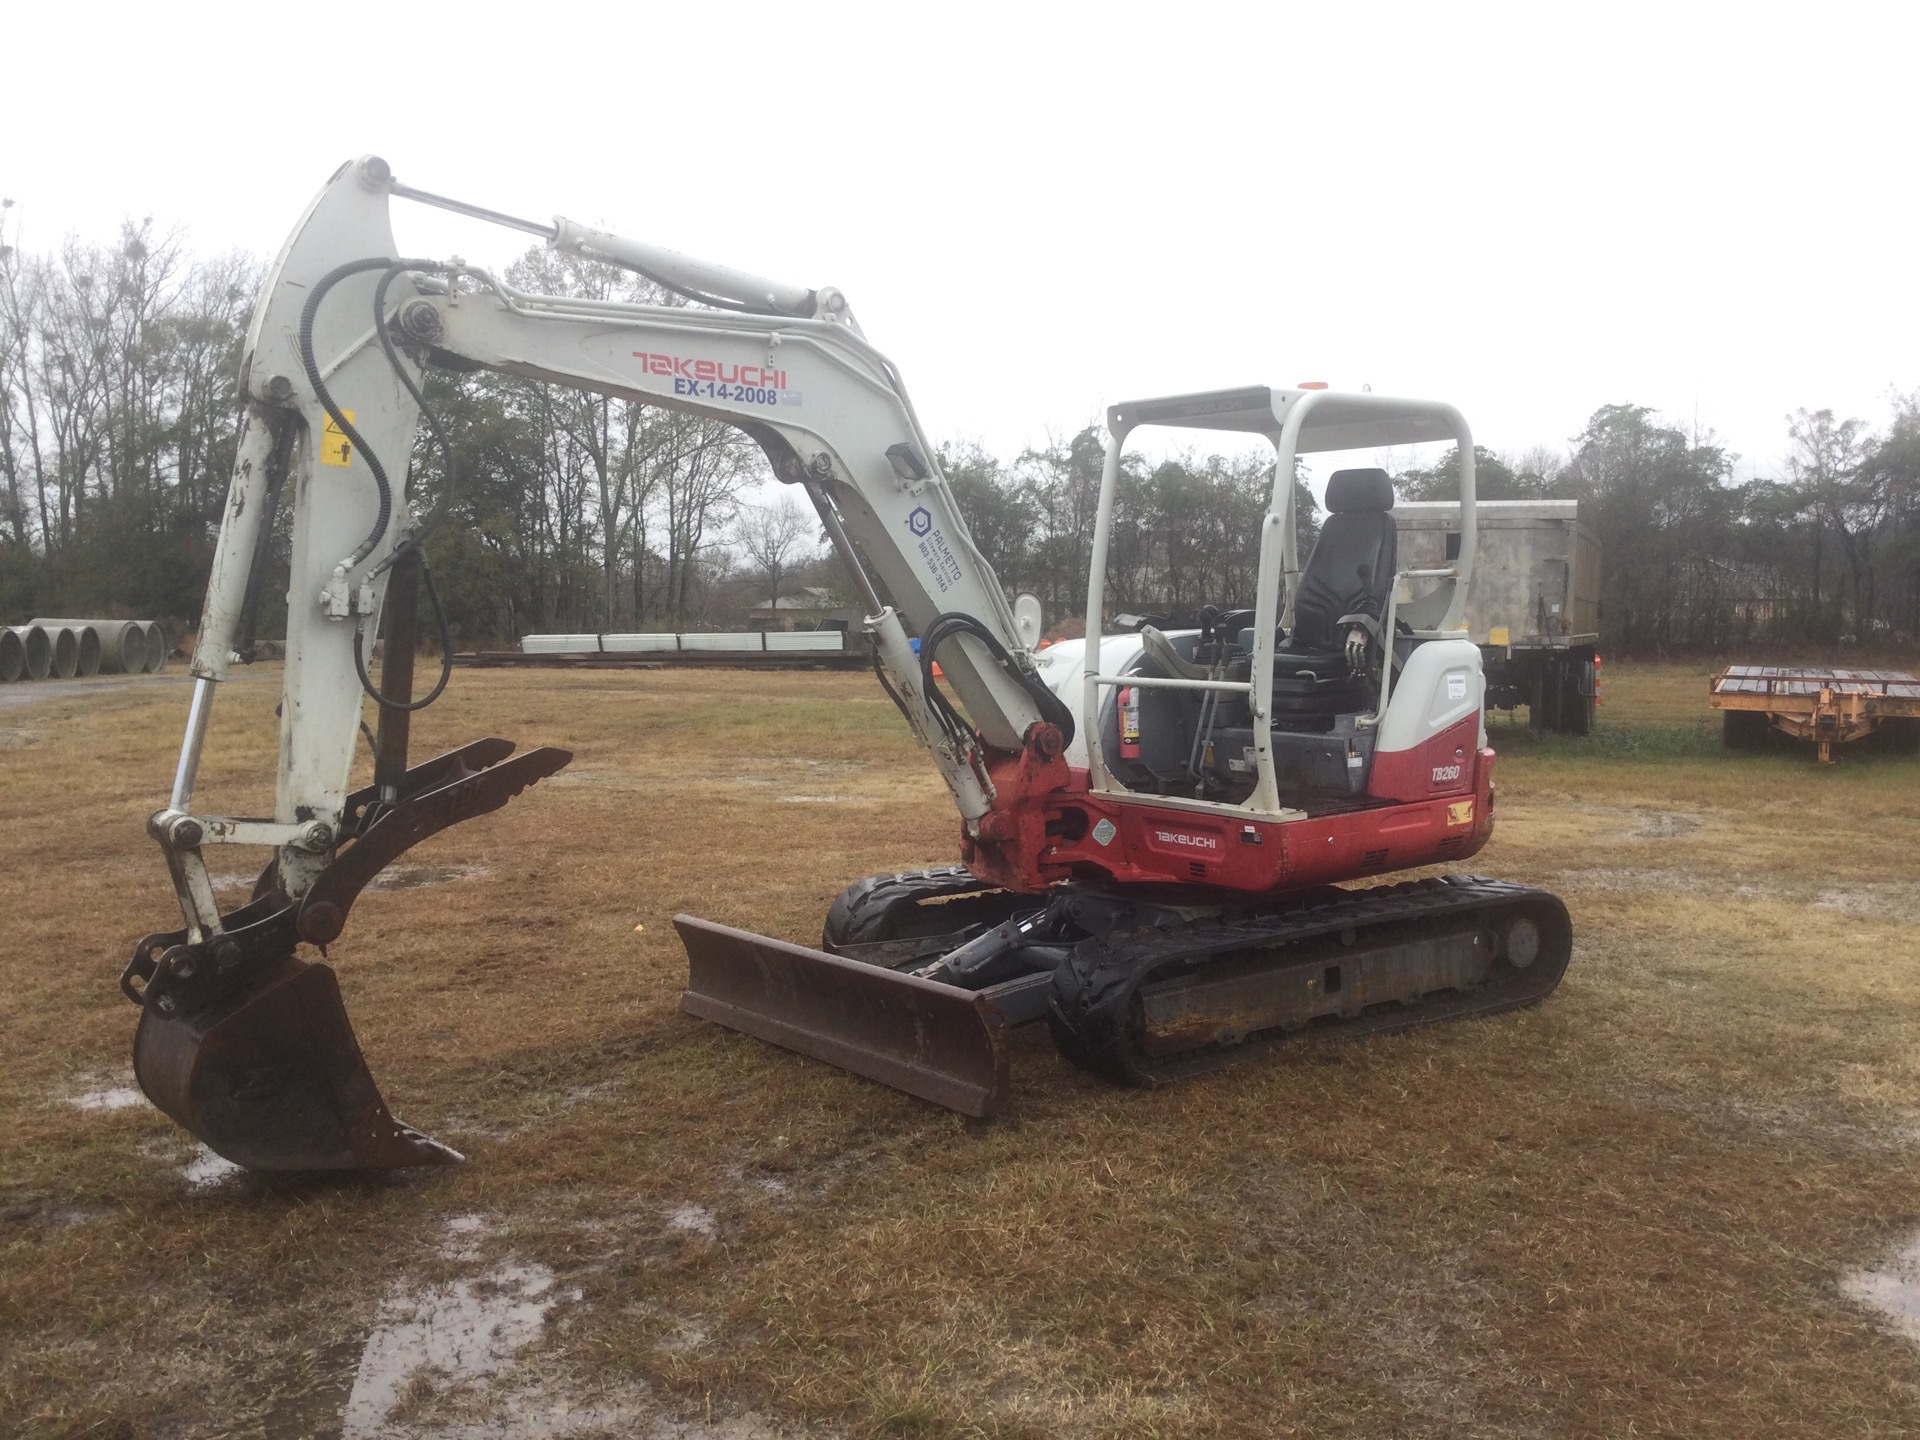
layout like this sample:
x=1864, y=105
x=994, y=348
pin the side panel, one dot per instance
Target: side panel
x=1536, y=571
x=1440, y=685
x=1583, y=606
x=1144, y=844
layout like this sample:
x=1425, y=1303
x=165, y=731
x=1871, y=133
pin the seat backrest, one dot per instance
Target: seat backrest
x=1351, y=569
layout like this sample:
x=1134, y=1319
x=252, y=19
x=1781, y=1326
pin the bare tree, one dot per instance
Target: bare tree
x=777, y=539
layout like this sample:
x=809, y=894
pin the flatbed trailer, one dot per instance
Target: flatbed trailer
x=1828, y=707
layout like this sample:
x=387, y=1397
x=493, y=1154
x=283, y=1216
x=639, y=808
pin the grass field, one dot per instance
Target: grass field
x=1646, y=1208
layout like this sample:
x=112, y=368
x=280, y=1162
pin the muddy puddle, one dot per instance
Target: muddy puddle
x=482, y=1356
x=205, y=1171
x=440, y=1339
x=394, y=877
x=419, y=877
x=1892, y=1288
x=111, y=1097
x=694, y=1220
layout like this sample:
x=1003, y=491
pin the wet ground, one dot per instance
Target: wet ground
x=1892, y=1287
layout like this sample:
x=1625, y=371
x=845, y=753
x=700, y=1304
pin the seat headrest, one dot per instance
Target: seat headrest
x=1362, y=491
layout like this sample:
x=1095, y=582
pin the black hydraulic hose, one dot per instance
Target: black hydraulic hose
x=446, y=654
x=334, y=413
x=393, y=269
x=698, y=298
x=952, y=622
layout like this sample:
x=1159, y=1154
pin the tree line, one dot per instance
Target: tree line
x=119, y=402
x=1826, y=554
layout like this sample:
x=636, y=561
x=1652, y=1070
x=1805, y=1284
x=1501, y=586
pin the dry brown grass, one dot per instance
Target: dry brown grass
x=1624, y=1212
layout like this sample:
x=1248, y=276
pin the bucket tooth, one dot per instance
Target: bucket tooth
x=271, y=1078
x=938, y=1042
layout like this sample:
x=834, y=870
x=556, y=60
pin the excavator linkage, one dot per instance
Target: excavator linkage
x=247, y=1045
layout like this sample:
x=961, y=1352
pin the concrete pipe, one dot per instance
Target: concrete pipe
x=66, y=652
x=123, y=643
x=89, y=661
x=158, y=647
x=13, y=657
x=39, y=650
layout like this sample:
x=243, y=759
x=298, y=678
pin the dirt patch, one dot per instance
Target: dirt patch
x=1663, y=825
x=1890, y=900
x=419, y=877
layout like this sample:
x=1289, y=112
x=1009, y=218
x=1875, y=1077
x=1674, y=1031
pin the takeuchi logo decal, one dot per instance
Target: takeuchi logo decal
x=717, y=371
x=1194, y=842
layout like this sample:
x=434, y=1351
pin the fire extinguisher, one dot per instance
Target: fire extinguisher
x=1129, y=723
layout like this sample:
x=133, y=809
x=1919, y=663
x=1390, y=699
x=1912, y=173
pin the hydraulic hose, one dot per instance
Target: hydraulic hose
x=951, y=623
x=334, y=413
x=378, y=695
x=392, y=270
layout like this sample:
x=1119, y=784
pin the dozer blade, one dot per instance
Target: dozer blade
x=936, y=1041
x=271, y=1078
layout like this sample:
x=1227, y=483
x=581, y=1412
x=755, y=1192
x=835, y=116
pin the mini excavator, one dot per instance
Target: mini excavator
x=1158, y=829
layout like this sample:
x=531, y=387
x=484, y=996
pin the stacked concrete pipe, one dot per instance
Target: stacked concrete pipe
x=36, y=651
x=66, y=650
x=13, y=657
x=157, y=648
x=123, y=647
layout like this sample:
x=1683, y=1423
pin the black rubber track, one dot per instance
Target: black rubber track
x=1094, y=1019
x=913, y=904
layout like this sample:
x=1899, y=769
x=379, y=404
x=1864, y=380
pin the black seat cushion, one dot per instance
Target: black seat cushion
x=1350, y=571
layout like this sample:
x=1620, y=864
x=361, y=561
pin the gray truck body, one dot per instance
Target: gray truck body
x=1534, y=605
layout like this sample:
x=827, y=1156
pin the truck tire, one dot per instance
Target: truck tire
x=1544, y=688
x=1576, y=695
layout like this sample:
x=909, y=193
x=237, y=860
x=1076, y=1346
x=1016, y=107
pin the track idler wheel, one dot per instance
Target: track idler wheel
x=271, y=1077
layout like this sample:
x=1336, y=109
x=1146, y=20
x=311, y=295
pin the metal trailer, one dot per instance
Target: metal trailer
x=1534, y=609
x=1828, y=707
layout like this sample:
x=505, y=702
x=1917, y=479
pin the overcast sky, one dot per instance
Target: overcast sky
x=1039, y=210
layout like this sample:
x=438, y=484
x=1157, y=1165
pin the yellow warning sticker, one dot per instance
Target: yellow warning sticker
x=1460, y=813
x=335, y=447
x=1499, y=635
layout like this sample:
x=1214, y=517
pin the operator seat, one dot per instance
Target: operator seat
x=1349, y=573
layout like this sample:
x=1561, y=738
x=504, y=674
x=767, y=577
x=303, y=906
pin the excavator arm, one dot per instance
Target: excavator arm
x=240, y=1040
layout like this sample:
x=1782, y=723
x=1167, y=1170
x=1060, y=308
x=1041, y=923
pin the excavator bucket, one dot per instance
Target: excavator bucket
x=272, y=1078
x=936, y=1041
